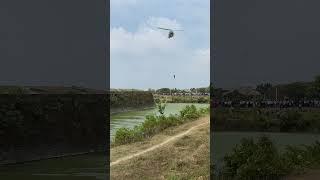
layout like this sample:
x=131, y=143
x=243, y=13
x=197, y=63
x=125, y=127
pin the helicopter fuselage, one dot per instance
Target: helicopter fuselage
x=171, y=34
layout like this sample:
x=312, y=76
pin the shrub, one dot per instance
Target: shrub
x=254, y=160
x=154, y=124
x=189, y=112
x=161, y=107
x=291, y=120
x=264, y=123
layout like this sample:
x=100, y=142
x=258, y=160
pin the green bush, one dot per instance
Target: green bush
x=299, y=159
x=291, y=120
x=161, y=107
x=189, y=112
x=155, y=124
x=254, y=160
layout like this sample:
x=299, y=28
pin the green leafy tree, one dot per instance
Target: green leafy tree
x=263, y=88
x=202, y=90
x=317, y=86
x=313, y=91
x=164, y=90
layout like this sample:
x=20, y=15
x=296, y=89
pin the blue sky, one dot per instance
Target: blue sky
x=143, y=57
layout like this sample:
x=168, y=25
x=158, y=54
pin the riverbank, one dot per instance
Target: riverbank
x=115, y=111
x=183, y=99
x=186, y=156
x=81, y=167
x=154, y=124
x=267, y=120
x=40, y=126
x=121, y=101
x=134, y=118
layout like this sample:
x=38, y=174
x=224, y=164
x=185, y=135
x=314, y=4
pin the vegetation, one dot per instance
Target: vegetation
x=157, y=123
x=254, y=119
x=264, y=87
x=12, y=90
x=187, y=157
x=184, y=99
x=131, y=99
x=28, y=121
x=161, y=107
x=201, y=90
x=20, y=90
x=261, y=159
x=292, y=91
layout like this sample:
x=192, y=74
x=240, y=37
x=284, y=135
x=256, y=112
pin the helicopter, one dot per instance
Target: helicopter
x=171, y=31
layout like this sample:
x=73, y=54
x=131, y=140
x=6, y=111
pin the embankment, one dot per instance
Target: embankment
x=41, y=126
x=121, y=101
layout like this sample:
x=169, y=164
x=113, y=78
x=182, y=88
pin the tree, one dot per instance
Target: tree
x=164, y=91
x=317, y=83
x=151, y=90
x=314, y=90
x=202, y=90
x=263, y=88
x=193, y=90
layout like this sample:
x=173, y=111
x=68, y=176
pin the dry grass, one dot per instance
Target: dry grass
x=184, y=158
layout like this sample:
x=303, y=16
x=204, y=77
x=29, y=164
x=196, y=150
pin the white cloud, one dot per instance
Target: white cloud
x=147, y=58
x=200, y=61
x=164, y=23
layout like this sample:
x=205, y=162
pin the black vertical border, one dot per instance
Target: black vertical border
x=212, y=60
x=107, y=74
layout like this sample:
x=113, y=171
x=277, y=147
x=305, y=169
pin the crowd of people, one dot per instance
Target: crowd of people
x=267, y=103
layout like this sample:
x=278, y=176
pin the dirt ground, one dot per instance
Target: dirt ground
x=181, y=152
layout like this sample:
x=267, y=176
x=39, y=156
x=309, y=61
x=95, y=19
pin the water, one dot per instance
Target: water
x=133, y=118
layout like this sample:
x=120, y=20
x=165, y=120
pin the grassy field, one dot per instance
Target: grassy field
x=184, y=158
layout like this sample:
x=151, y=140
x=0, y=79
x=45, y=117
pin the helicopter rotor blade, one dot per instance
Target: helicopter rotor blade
x=164, y=28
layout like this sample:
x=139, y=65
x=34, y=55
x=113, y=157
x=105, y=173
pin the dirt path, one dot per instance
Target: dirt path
x=158, y=145
x=178, y=152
